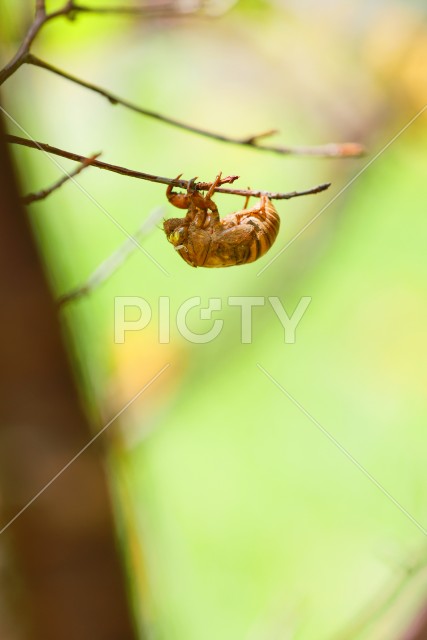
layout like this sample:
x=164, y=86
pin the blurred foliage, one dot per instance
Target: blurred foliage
x=239, y=519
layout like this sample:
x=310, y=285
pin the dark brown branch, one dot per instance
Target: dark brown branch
x=331, y=150
x=200, y=186
x=44, y=193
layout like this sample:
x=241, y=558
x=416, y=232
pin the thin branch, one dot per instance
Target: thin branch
x=200, y=186
x=109, y=266
x=330, y=150
x=44, y=193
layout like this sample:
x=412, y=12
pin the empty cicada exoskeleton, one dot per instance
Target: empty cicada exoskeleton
x=204, y=240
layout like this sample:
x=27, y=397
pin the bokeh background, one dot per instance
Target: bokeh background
x=238, y=518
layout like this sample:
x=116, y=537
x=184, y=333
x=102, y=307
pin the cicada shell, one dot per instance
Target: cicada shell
x=204, y=240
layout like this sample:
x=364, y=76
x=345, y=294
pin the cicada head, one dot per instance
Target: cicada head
x=175, y=231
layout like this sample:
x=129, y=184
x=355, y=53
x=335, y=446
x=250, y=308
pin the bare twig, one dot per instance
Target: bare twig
x=40, y=195
x=332, y=150
x=200, y=186
x=114, y=261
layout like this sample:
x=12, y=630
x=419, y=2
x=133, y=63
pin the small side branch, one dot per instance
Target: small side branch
x=44, y=193
x=131, y=173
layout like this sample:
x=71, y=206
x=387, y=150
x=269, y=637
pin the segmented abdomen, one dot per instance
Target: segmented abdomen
x=265, y=221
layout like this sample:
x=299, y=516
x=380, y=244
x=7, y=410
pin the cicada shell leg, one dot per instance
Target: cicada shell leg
x=179, y=200
x=213, y=186
x=210, y=204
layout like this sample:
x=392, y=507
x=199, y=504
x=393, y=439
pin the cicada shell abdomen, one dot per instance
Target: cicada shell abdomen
x=264, y=220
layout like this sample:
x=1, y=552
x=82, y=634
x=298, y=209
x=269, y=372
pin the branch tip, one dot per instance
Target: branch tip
x=352, y=150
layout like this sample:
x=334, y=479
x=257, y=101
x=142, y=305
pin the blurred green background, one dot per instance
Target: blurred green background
x=239, y=519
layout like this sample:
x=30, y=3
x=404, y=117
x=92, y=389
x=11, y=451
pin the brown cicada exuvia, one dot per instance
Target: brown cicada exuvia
x=204, y=240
